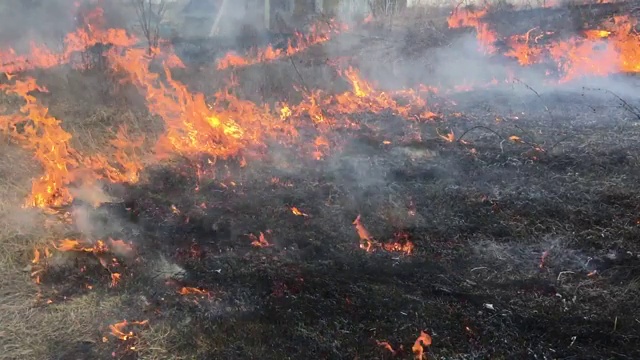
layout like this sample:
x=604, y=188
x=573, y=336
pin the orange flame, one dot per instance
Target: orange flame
x=260, y=241
x=472, y=18
x=42, y=134
x=192, y=291
x=319, y=33
x=297, y=212
x=119, y=330
x=83, y=38
x=368, y=243
x=115, y=278
x=366, y=240
x=75, y=245
x=418, y=350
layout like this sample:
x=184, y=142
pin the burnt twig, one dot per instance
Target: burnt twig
x=630, y=108
x=546, y=108
x=302, y=82
x=481, y=127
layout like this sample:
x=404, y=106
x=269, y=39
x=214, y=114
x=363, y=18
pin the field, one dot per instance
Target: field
x=415, y=187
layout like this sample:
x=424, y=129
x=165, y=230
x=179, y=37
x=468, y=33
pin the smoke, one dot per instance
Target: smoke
x=47, y=22
x=44, y=22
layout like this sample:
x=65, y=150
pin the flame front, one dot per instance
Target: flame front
x=318, y=33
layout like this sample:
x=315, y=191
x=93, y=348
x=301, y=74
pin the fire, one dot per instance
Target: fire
x=473, y=18
x=42, y=134
x=115, y=278
x=90, y=34
x=418, y=347
x=75, y=245
x=522, y=50
x=465, y=18
x=36, y=256
x=598, y=52
x=319, y=33
x=119, y=330
x=192, y=291
x=366, y=240
x=450, y=137
x=222, y=129
x=126, y=164
x=297, y=212
x=259, y=241
x=368, y=243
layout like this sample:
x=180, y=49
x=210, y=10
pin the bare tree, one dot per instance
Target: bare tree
x=150, y=15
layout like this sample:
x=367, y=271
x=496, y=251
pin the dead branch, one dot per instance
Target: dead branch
x=150, y=14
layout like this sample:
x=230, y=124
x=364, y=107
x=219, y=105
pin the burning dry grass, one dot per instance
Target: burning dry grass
x=21, y=320
x=257, y=232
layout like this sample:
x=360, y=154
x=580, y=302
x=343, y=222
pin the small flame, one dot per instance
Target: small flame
x=401, y=242
x=75, y=245
x=450, y=137
x=115, y=278
x=192, y=291
x=297, y=212
x=119, y=330
x=418, y=350
x=366, y=240
x=259, y=241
